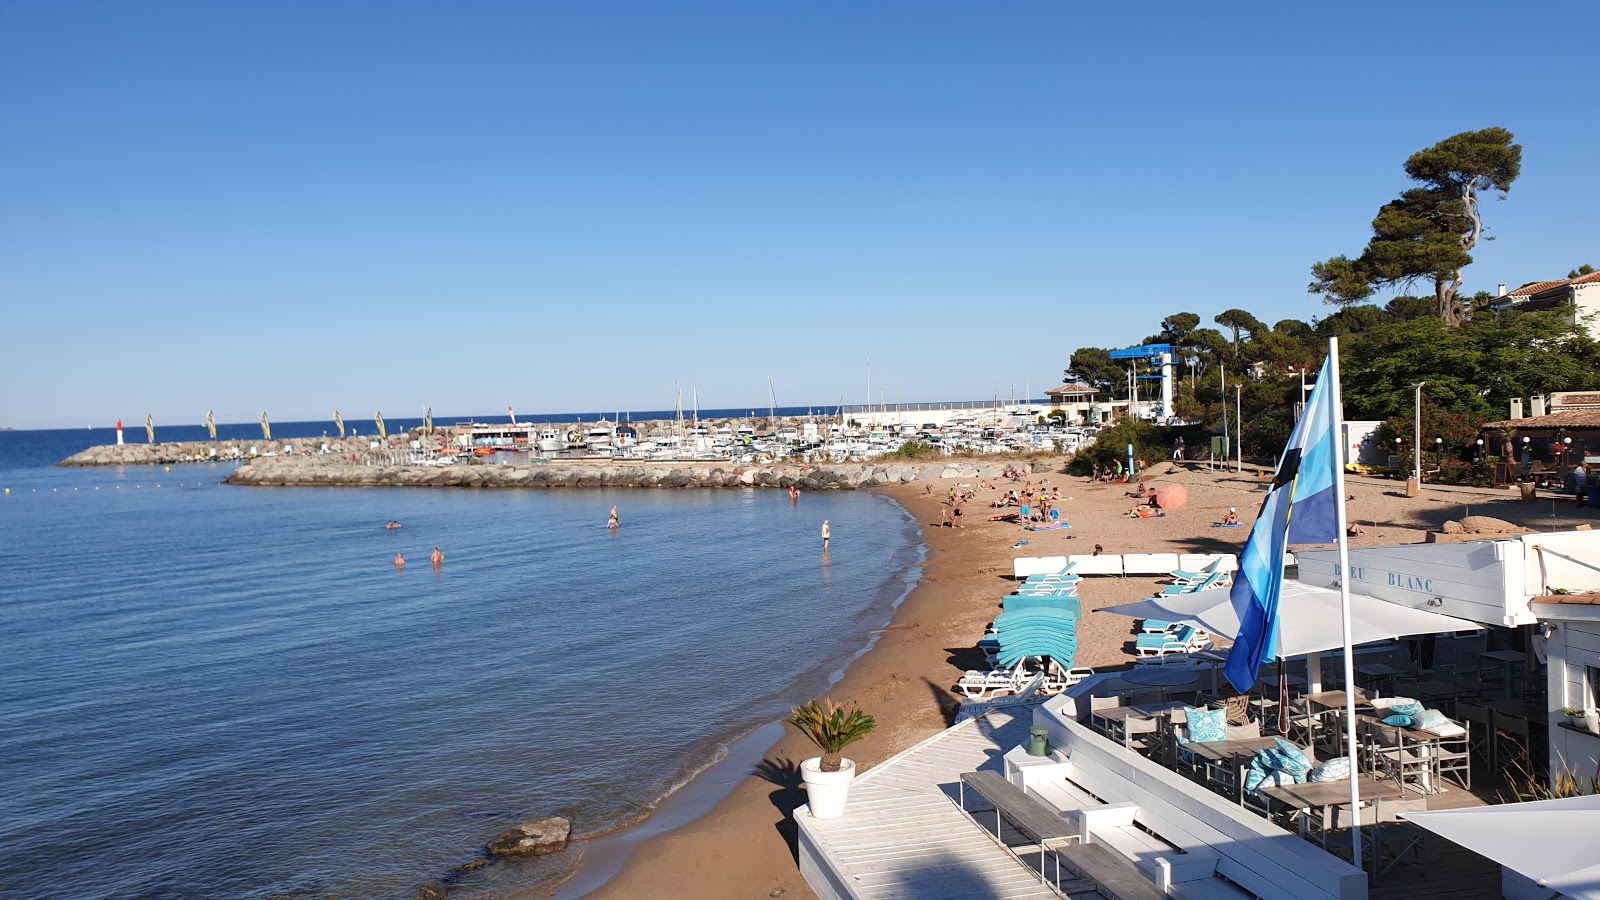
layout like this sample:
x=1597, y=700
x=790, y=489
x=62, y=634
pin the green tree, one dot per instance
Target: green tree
x=1581, y=271
x=1353, y=319
x=1237, y=320
x=1428, y=233
x=1177, y=327
x=1473, y=370
x=1093, y=366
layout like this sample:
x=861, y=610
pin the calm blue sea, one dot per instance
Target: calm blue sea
x=211, y=691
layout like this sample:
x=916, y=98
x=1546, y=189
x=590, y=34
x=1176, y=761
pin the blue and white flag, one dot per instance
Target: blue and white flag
x=1302, y=507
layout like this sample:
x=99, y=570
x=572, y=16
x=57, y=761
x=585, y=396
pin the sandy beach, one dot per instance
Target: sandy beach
x=743, y=847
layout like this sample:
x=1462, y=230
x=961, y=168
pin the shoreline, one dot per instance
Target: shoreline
x=741, y=844
x=604, y=857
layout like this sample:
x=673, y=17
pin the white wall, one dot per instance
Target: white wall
x=1546, y=571
x=1479, y=580
x=1587, y=297
x=1573, y=647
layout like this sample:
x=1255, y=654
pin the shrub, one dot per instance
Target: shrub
x=832, y=728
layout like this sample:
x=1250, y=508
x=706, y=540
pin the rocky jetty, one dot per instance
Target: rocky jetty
x=331, y=471
x=213, y=451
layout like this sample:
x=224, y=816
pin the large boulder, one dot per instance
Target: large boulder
x=431, y=890
x=1489, y=525
x=535, y=837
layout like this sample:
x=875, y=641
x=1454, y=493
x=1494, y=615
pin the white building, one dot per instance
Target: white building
x=1582, y=293
x=1504, y=583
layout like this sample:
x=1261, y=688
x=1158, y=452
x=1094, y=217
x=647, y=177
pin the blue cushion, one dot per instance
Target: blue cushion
x=1206, y=724
x=1336, y=769
x=1294, y=759
x=1397, y=719
x=1259, y=776
x=1409, y=708
x=1429, y=720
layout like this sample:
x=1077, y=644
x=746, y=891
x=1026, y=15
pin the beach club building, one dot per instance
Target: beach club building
x=1110, y=788
x=1535, y=596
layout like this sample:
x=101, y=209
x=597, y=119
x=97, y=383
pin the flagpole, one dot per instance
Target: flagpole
x=1337, y=416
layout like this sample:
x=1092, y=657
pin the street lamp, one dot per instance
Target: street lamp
x=1566, y=445
x=1438, y=451
x=1417, y=436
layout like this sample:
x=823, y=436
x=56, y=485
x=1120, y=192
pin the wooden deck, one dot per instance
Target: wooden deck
x=904, y=836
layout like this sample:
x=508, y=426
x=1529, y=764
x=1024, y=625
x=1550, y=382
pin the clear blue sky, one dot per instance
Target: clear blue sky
x=297, y=206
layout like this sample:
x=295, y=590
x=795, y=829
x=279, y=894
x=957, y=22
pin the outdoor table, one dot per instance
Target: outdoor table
x=1322, y=797
x=1441, y=690
x=1228, y=755
x=1333, y=702
x=1157, y=677
x=1505, y=659
x=1380, y=673
x=1115, y=719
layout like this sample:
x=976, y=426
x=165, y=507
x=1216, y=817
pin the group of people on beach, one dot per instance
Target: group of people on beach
x=1114, y=473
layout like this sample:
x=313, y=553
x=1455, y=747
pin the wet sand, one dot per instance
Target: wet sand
x=743, y=848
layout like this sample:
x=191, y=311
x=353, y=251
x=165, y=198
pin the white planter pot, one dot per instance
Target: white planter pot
x=826, y=791
x=1591, y=720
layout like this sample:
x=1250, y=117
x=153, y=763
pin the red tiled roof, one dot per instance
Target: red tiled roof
x=1539, y=287
x=1574, y=418
x=1071, y=389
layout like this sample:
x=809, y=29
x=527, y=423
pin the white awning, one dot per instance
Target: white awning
x=1549, y=841
x=1308, y=617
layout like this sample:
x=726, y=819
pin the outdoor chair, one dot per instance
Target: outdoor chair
x=1389, y=754
x=1479, y=722
x=1452, y=756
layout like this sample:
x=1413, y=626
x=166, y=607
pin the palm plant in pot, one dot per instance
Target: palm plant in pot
x=831, y=727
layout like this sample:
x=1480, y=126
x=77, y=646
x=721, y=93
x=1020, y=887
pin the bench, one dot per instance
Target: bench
x=1114, y=877
x=1032, y=817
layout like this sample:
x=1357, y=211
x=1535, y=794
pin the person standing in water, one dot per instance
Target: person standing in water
x=826, y=533
x=399, y=561
x=613, y=522
x=437, y=558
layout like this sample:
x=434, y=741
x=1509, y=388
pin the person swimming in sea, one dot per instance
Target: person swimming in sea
x=613, y=522
x=392, y=525
x=437, y=558
x=399, y=561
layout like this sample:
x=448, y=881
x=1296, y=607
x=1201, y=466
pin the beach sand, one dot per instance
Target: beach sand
x=744, y=847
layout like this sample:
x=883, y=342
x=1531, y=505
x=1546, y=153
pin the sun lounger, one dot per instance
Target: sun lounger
x=1155, y=626
x=978, y=684
x=1183, y=639
x=1195, y=576
x=1021, y=601
x=1214, y=580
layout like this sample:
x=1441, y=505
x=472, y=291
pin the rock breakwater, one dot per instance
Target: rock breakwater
x=328, y=471
x=214, y=451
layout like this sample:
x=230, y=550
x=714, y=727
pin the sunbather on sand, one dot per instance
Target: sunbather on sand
x=1232, y=518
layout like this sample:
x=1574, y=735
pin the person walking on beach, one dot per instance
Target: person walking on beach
x=437, y=558
x=826, y=533
x=613, y=522
x=399, y=561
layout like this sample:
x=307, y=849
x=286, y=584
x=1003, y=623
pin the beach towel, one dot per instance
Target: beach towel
x=1220, y=525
